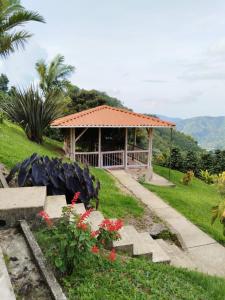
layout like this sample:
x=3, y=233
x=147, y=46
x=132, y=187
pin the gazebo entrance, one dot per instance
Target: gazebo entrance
x=109, y=148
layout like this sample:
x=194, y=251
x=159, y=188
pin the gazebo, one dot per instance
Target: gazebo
x=100, y=137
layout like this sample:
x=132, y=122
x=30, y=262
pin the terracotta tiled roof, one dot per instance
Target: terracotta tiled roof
x=107, y=116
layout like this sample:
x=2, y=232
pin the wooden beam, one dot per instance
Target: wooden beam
x=125, y=150
x=150, y=137
x=99, y=147
x=80, y=135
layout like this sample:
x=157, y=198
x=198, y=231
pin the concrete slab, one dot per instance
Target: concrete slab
x=6, y=290
x=21, y=203
x=54, y=206
x=205, y=252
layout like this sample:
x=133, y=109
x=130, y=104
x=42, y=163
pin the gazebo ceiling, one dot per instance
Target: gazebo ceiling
x=107, y=116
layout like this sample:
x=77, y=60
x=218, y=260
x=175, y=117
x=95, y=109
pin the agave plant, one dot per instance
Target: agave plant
x=60, y=178
x=33, y=111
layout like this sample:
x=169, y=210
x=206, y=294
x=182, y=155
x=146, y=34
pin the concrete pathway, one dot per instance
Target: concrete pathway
x=207, y=255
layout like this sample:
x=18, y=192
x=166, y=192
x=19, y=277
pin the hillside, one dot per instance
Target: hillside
x=15, y=147
x=208, y=131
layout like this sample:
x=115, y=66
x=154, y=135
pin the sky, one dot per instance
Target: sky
x=162, y=57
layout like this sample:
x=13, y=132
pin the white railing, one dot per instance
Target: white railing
x=87, y=158
x=137, y=158
x=112, y=159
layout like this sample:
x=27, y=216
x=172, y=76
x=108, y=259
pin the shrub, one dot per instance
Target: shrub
x=59, y=178
x=71, y=244
x=207, y=177
x=33, y=111
x=218, y=211
x=187, y=178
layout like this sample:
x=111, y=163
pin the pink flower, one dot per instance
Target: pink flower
x=46, y=217
x=75, y=198
x=95, y=249
x=112, y=255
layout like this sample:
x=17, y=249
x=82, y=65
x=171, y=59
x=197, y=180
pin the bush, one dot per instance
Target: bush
x=71, y=244
x=207, y=177
x=59, y=178
x=187, y=178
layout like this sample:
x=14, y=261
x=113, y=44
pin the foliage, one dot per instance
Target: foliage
x=191, y=162
x=220, y=181
x=54, y=76
x=59, y=178
x=187, y=178
x=207, y=177
x=194, y=201
x=84, y=99
x=218, y=211
x=12, y=16
x=32, y=111
x=176, y=159
x=71, y=243
x=4, y=83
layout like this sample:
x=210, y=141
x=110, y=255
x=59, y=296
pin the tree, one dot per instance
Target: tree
x=4, y=83
x=12, y=16
x=191, y=162
x=54, y=76
x=176, y=159
x=84, y=99
x=33, y=111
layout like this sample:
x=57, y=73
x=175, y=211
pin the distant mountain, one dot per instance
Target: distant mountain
x=208, y=131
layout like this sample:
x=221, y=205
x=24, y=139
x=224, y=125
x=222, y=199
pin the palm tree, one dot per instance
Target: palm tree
x=13, y=15
x=54, y=76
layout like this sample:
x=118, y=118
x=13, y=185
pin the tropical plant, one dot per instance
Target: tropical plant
x=54, y=76
x=72, y=244
x=59, y=178
x=218, y=211
x=33, y=111
x=207, y=177
x=187, y=178
x=13, y=15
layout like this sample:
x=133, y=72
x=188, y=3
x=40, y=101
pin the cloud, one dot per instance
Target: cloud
x=154, y=81
x=20, y=66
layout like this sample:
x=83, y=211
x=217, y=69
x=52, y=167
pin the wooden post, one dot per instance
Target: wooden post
x=74, y=144
x=125, y=150
x=135, y=137
x=99, y=147
x=150, y=136
x=71, y=144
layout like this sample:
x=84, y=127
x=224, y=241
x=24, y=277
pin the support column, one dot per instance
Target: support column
x=99, y=148
x=74, y=143
x=125, y=150
x=135, y=136
x=150, y=137
x=71, y=144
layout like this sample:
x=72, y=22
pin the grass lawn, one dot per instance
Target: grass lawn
x=134, y=278
x=140, y=279
x=194, y=201
x=114, y=203
x=15, y=147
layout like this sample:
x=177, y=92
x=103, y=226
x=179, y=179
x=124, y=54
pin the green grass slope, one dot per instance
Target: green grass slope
x=194, y=201
x=15, y=147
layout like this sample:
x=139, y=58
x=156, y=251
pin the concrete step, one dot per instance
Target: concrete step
x=6, y=289
x=54, y=206
x=79, y=208
x=126, y=243
x=158, y=254
x=95, y=219
x=140, y=247
x=178, y=257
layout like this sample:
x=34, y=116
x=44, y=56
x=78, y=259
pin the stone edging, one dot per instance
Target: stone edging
x=52, y=283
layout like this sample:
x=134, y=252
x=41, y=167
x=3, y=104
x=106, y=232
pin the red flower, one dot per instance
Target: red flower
x=46, y=217
x=75, y=198
x=95, y=249
x=112, y=255
x=82, y=226
x=111, y=225
x=94, y=233
x=85, y=215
